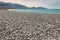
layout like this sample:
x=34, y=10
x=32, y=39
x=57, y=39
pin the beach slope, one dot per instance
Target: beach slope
x=29, y=26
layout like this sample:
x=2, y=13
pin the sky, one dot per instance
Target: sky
x=51, y=4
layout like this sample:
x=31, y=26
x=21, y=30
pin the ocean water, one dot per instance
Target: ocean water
x=45, y=11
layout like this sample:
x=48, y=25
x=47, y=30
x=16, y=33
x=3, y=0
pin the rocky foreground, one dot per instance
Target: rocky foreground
x=29, y=26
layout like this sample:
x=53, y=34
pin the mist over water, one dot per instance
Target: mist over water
x=45, y=11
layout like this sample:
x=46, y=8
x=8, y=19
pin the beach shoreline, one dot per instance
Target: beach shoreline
x=29, y=26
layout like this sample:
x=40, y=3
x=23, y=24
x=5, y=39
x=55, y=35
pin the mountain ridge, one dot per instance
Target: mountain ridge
x=4, y=5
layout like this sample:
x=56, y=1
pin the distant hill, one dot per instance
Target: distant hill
x=4, y=5
x=37, y=8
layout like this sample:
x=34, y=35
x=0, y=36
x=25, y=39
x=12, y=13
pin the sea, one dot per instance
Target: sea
x=44, y=11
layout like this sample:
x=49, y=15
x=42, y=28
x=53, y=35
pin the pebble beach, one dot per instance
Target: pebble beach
x=29, y=26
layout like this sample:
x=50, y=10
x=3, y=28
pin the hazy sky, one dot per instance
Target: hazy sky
x=37, y=3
